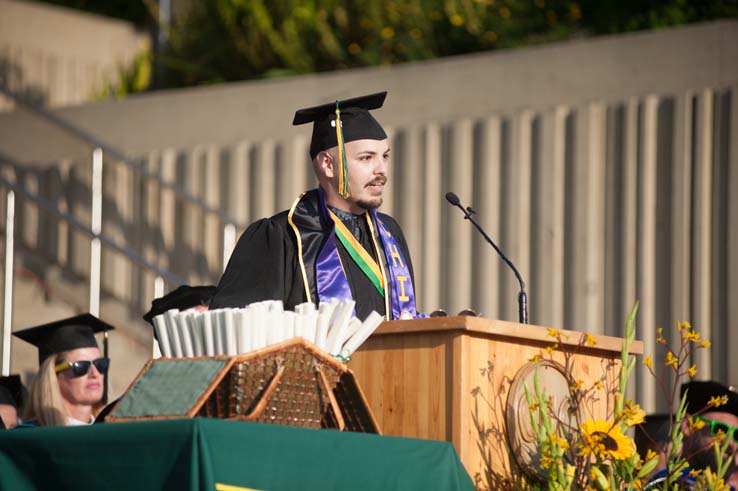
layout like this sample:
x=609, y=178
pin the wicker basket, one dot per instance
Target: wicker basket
x=292, y=383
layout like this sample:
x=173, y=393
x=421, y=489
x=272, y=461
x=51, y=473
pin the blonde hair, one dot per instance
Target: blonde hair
x=45, y=402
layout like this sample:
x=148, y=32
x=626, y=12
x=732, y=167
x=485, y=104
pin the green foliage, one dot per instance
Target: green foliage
x=240, y=39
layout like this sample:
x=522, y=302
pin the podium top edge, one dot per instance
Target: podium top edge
x=500, y=328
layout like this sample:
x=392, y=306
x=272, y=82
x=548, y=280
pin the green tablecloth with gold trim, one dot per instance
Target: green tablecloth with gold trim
x=209, y=454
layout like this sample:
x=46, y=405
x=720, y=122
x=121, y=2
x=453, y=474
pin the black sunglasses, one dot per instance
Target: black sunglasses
x=719, y=426
x=80, y=368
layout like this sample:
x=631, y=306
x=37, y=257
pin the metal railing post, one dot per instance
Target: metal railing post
x=8, y=283
x=96, y=228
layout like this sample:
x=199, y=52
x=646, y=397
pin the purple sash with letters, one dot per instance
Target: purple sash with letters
x=331, y=279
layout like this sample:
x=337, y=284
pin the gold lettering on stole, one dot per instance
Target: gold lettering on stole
x=402, y=280
x=396, y=258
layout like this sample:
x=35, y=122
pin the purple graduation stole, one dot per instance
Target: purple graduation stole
x=331, y=279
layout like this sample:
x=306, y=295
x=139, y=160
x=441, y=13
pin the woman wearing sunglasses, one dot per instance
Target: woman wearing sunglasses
x=71, y=378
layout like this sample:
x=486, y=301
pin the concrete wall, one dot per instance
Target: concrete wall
x=59, y=57
x=606, y=168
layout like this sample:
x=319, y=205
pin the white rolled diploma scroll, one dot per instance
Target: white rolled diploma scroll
x=185, y=335
x=173, y=331
x=162, y=335
x=370, y=324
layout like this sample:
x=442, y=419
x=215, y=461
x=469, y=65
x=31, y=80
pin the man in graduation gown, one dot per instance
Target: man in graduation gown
x=332, y=242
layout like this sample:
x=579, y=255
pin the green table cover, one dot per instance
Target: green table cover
x=211, y=454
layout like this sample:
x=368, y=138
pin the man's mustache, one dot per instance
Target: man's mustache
x=378, y=181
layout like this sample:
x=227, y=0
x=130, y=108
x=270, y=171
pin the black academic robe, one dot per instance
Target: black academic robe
x=265, y=264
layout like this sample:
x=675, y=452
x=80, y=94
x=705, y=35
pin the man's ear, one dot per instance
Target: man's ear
x=325, y=164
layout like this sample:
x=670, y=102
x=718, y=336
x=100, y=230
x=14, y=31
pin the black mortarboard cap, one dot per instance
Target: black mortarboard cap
x=184, y=297
x=64, y=335
x=11, y=391
x=358, y=123
x=700, y=393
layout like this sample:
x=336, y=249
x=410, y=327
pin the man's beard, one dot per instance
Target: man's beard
x=370, y=204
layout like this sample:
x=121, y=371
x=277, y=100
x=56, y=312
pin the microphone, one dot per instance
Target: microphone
x=522, y=296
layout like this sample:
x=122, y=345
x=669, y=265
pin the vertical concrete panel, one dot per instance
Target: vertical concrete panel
x=629, y=217
x=211, y=238
x=407, y=185
x=702, y=225
x=516, y=228
x=459, y=231
x=681, y=217
x=264, y=180
x=732, y=231
x=297, y=161
x=430, y=260
x=488, y=178
x=459, y=239
x=647, y=243
x=547, y=274
x=388, y=203
x=239, y=183
x=168, y=208
x=587, y=268
x=594, y=320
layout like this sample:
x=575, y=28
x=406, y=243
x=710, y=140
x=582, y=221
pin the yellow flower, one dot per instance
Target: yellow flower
x=686, y=325
x=659, y=336
x=552, y=347
x=536, y=359
x=717, y=401
x=598, y=385
x=589, y=340
x=553, y=333
x=648, y=361
x=705, y=344
x=692, y=336
x=671, y=360
x=604, y=440
x=696, y=424
x=692, y=370
x=695, y=472
x=633, y=414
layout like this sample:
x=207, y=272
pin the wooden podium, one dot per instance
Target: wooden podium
x=448, y=378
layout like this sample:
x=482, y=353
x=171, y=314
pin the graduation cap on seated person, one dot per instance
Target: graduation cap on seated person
x=340, y=122
x=67, y=334
x=182, y=298
x=699, y=394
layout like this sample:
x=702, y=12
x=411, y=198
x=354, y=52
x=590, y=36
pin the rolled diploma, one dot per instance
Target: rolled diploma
x=184, y=334
x=370, y=324
x=339, y=323
x=174, y=333
x=229, y=324
x=195, y=320
x=162, y=336
x=221, y=325
x=207, y=332
x=309, y=326
x=289, y=325
x=244, y=330
x=258, y=329
x=322, y=330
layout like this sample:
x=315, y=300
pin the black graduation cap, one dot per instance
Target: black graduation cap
x=11, y=391
x=184, y=297
x=64, y=335
x=357, y=121
x=700, y=393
